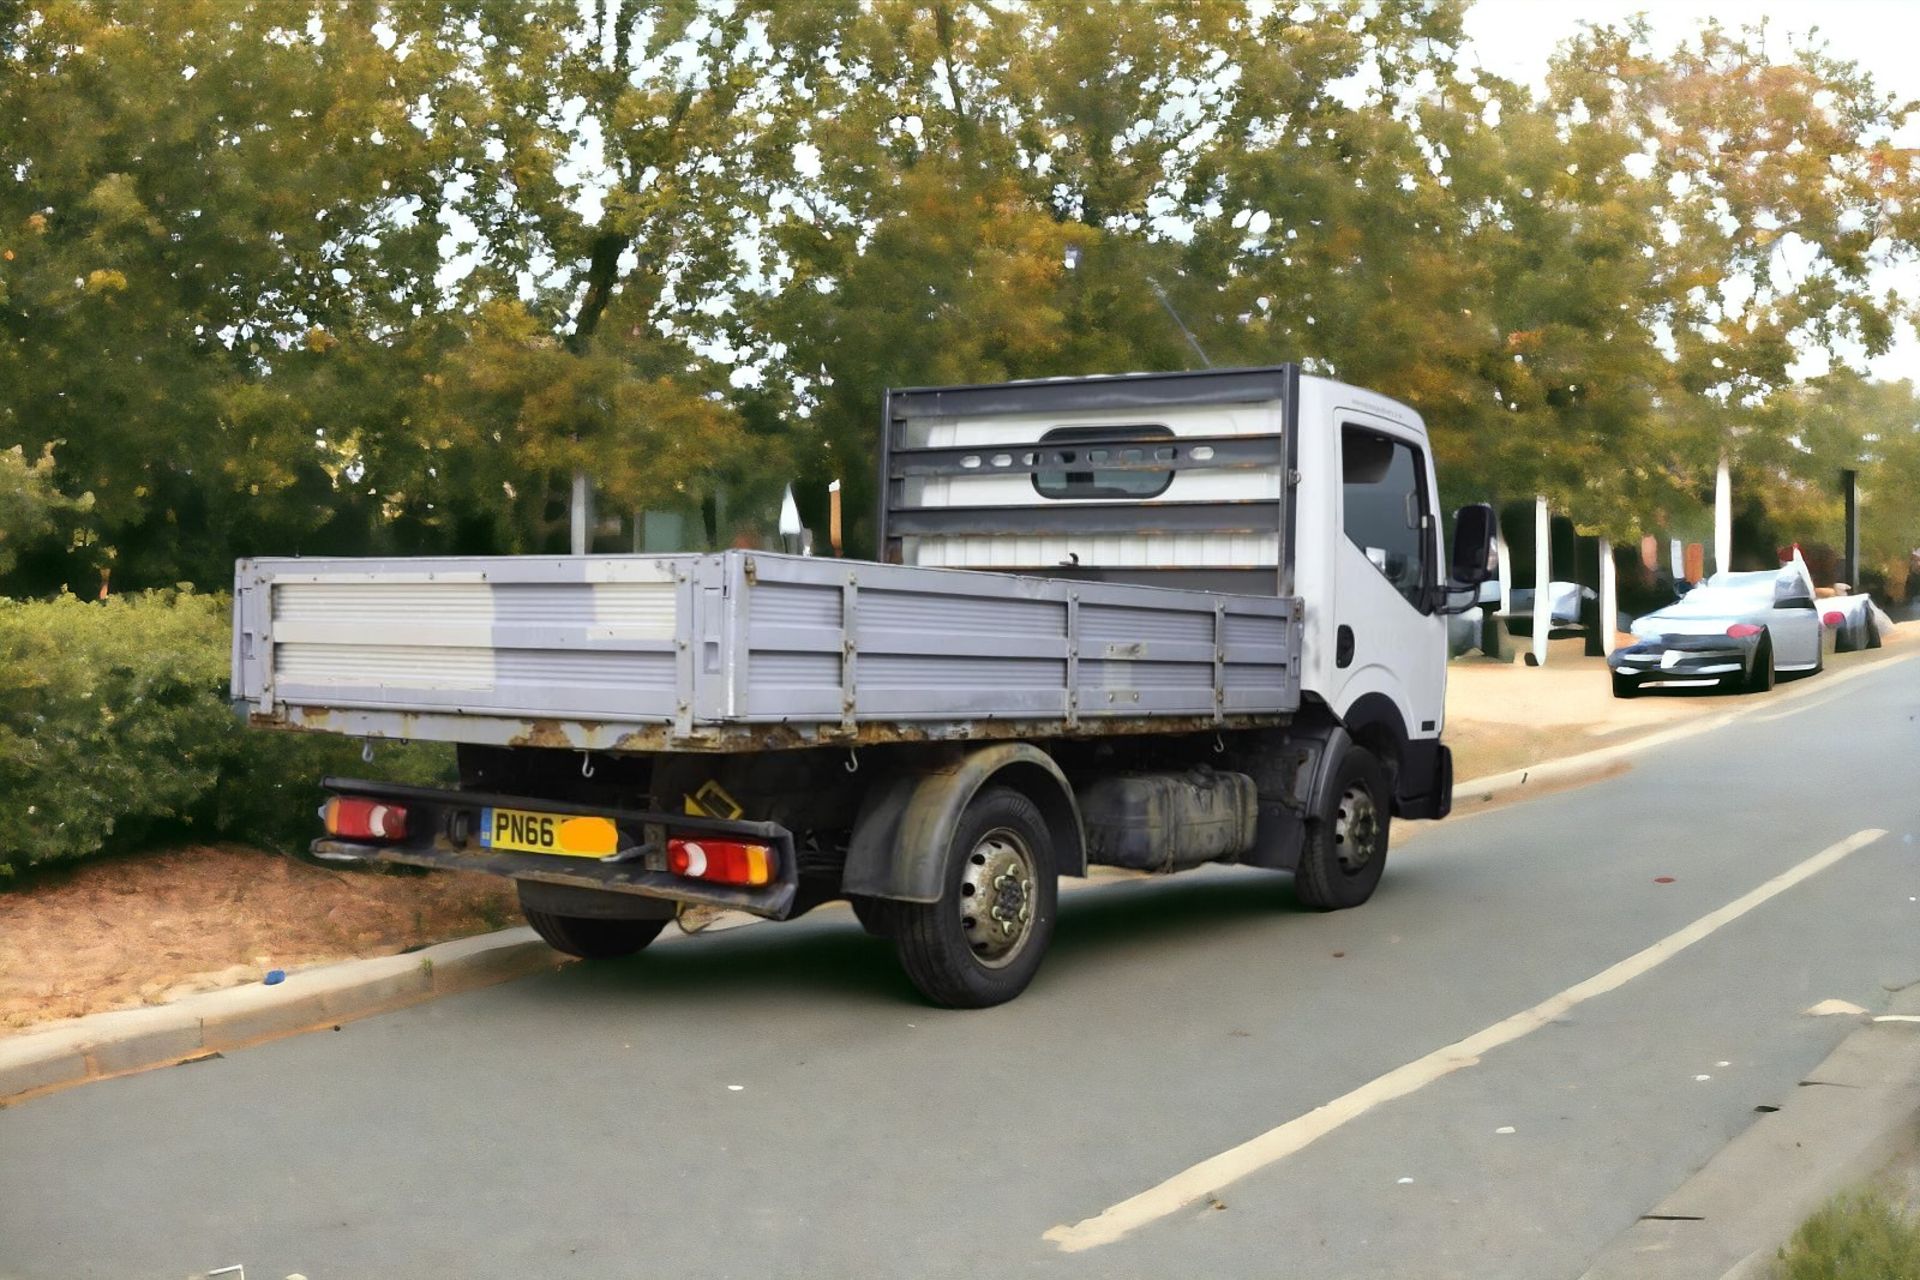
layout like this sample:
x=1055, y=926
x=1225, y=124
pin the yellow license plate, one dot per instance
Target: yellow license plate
x=529, y=831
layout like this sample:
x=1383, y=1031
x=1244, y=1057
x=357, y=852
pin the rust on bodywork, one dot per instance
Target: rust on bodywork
x=542, y=733
x=595, y=735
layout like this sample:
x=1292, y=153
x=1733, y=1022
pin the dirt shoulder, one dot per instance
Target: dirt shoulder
x=123, y=932
x=118, y=933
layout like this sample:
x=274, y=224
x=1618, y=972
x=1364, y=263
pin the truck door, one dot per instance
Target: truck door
x=1388, y=639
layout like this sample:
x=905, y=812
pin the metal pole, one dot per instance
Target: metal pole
x=1723, y=517
x=1542, y=575
x=1850, y=486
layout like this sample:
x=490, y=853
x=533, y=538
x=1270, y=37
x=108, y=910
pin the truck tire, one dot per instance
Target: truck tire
x=592, y=938
x=982, y=942
x=874, y=914
x=1346, y=844
x=1625, y=686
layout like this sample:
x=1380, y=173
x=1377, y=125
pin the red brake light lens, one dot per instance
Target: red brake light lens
x=1741, y=630
x=364, y=818
x=1834, y=618
x=723, y=861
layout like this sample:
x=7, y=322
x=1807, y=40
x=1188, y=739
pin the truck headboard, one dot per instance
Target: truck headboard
x=1174, y=479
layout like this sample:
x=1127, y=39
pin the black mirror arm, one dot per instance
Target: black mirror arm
x=1447, y=607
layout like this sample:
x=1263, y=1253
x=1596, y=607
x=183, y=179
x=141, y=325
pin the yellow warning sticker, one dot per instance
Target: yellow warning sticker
x=712, y=801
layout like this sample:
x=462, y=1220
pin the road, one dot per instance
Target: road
x=773, y=1101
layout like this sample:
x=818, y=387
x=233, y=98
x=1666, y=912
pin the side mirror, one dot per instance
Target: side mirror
x=1473, y=546
x=1474, y=550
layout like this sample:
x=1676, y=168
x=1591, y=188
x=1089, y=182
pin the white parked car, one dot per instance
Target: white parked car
x=1735, y=630
x=1855, y=621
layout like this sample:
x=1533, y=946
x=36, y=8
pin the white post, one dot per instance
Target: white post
x=791, y=530
x=1677, y=559
x=1609, y=597
x=1505, y=568
x=1723, y=517
x=580, y=511
x=1542, y=601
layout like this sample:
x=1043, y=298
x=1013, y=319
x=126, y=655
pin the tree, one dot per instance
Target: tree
x=30, y=503
x=1774, y=199
x=624, y=156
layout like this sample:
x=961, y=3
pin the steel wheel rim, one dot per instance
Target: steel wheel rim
x=997, y=898
x=1356, y=829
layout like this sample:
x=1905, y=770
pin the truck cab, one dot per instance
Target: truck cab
x=1230, y=481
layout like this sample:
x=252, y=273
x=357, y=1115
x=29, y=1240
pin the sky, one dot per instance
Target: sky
x=1514, y=39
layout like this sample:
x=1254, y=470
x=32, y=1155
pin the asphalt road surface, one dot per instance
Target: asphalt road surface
x=774, y=1101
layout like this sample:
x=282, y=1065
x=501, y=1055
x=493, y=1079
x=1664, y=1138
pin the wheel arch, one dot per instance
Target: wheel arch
x=906, y=823
x=1374, y=722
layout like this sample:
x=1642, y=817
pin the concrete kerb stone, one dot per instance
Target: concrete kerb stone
x=26, y=1066
x=106, y=1044
x=240, y=1014
x=490, y=958
x=1731, y=1216
x=129, y=1039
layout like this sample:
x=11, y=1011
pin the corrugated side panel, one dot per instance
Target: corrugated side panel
x=565, y=650
x=590, y=639
x=836, y=641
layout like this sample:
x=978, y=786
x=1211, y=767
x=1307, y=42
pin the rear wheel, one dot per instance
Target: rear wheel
x=1760, y=676
x=589, y=937
x=874, y=914
x=982, y=942
x=1346, y=845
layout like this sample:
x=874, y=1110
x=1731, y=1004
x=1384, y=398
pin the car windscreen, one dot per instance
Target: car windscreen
x=1713, y=602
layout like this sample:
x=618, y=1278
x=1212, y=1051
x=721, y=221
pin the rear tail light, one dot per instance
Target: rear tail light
x=1834, y=618
x=362, y=818
x=1741, y=630
x=723, y=861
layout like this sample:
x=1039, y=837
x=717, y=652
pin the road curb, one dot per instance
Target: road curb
x=126, y=1040
x=1852, y=1115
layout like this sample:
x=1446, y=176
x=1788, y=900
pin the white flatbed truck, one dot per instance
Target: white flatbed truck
x=1150, y=621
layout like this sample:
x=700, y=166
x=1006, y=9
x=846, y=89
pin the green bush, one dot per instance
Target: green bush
x=1861, y=1237
x=115, y=731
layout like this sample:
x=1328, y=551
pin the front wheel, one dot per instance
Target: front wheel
x=1760, y=677
x=1625, y=686
x=1346, y=845
x=982, y=942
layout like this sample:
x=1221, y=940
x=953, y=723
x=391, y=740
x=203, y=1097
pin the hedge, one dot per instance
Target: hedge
x=115, y=733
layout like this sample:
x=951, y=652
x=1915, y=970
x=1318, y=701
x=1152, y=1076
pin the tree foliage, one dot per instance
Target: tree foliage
x=379, y=275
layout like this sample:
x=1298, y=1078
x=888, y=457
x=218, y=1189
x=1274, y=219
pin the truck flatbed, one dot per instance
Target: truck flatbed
x=744, y=650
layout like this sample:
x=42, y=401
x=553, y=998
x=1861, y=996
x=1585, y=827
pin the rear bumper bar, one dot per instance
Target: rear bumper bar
x=441, y=824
